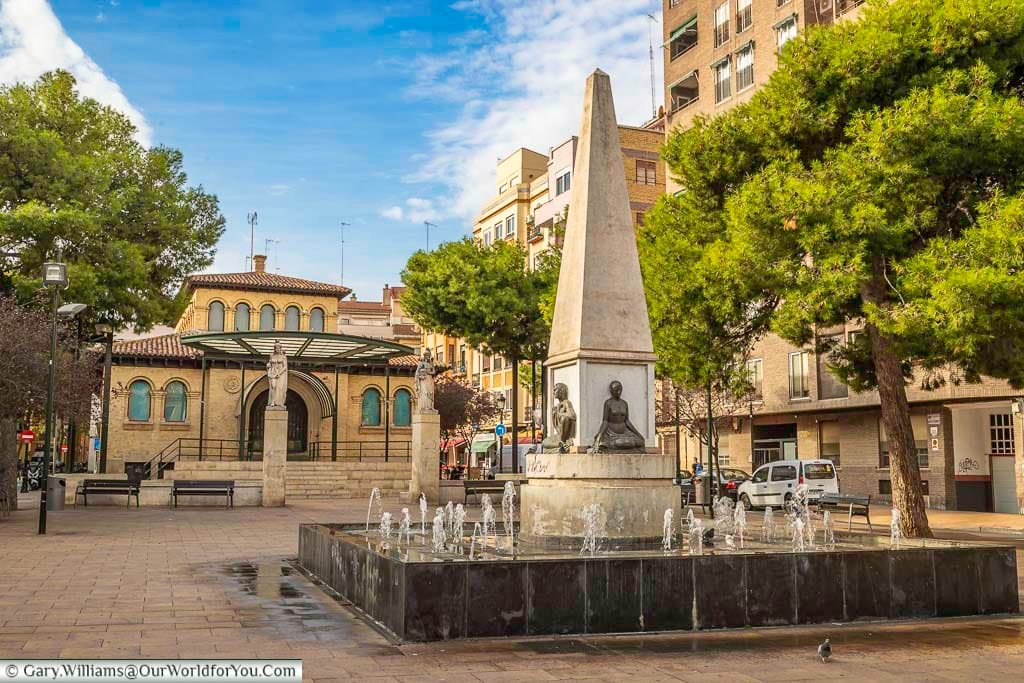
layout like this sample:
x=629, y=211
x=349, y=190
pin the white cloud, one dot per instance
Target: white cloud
x=32, y=42
x=523, y=86
x=279, y=190
x=416, y=210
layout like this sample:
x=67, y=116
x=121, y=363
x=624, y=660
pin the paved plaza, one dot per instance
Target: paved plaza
x=212, y=583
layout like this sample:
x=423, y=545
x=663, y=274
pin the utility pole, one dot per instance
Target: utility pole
x=251, y=218
x=429, y=225
x=343, y=226
x=650, y=33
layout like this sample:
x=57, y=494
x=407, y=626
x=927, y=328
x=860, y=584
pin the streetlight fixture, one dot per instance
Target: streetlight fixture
x=107, y=331
x=501, y=439
x=55, y=276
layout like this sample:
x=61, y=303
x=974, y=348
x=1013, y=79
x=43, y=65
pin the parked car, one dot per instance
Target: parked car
x=732, y=479
x=775, y=483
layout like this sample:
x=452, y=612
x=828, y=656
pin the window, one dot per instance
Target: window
x=316, y=320
x=783, y=472
x=291, y=318
x=755, y=375
x=497, y=363
x=487, y=238
x=267, y=314
x=684, y=92
x=721, y=24
x=646, y=172
x=403, y=408
x=510, y=226
x=139, y=393
x=723, y=86
x=829, y=385
x=785, y=31
x=562, y=183
x=760, y=476
x=780, y=3
x=683, y=38
x=371, y=408
x=919, y=425
x=829, y=442
x=497, y=231
x=826, y=5
x=175, y=402
x=744, y=15
x=745, y=67
x=1001, y=434
x=819, y=470
x=242, y=315
x=439, y=355
x=639, y=219
x=799, y=382
x=486, y=363
x=215, y=317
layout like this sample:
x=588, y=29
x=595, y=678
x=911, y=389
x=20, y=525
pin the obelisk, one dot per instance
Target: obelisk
x=602, y=354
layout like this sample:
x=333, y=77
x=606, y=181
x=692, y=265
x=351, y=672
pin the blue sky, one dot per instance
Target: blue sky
x=313, y=112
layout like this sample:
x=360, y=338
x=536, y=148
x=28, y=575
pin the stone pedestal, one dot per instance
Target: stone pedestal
x=426, y=446
x=633, y=491
x=275, y=456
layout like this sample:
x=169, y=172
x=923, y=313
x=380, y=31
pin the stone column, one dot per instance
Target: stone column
x=426, y=444
x=275, y=455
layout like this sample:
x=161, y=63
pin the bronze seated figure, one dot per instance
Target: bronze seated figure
x=563, y=423
x=616, y=433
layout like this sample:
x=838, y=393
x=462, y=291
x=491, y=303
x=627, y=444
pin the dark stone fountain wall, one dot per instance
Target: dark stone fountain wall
x=435, y=600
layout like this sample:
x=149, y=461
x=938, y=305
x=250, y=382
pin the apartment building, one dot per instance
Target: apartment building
x=969, y=440
x=532, y=193
x=385, y=319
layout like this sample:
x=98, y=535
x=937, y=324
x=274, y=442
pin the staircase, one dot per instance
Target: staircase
x=349, y=479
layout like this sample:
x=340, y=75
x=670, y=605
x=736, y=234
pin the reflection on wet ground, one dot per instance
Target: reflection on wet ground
x=271, y=595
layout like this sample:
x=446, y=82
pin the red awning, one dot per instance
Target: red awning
x=452, y=443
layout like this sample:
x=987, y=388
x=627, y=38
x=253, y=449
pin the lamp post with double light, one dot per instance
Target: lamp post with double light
x=501, y=438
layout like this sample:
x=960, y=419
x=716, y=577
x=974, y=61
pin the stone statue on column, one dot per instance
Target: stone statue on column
x=277, y=377
x=425, y=372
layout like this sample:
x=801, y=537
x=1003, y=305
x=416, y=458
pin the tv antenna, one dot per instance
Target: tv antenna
x=429, y=225
x=343, y=226
x=650, y=34
x=251, y=219
x=267, y=241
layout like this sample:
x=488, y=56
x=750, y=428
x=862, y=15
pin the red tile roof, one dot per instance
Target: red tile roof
x=405, y=330
x=363, y=306
x=266, y=282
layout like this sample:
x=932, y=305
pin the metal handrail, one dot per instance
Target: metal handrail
x=361, y=450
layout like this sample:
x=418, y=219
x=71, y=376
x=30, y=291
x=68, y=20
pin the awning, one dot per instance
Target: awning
x=314, y=347
x=452, y=443
x=482, y=443
x=687, y=25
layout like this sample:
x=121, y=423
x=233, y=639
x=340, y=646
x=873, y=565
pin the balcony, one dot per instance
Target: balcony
x=683, y=39
x=844, y=6
x=684, y=92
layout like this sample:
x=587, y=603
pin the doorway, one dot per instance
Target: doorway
x=298, y=423
x=774, y=442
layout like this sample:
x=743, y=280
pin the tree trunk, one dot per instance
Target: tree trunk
x=9, y=460
x=904, y=469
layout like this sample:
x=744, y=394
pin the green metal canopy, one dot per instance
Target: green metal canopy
x=312, y=347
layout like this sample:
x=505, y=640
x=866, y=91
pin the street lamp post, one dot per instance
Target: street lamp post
x=501, y=439
x=55, y=276
x=108, y=344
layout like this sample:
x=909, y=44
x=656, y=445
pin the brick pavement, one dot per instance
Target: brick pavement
x=151, y=582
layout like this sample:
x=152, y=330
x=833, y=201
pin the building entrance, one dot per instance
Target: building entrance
x=774, y=442
x=298, y=423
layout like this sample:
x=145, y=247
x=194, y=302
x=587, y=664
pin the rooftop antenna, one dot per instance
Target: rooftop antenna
x=251, y=218
x=343, y=226
x=650, y=35
x=267, y=241
x=429, y=225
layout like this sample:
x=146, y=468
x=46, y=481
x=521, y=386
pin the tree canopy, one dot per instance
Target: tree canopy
x=877, y=177
x=462, y=406
x=73, y=176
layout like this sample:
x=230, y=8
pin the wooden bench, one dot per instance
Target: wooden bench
x=203, y=487
x=108, y=487
x=478, y=487
x=851, y=505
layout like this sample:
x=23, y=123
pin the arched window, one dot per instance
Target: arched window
x=241, y=317
x=267, y=314
x=403, y=408
x=215, y=319
x=371, y=408
x=175, y=402
x=291, y=318
x=139, y=400
x=316, y=320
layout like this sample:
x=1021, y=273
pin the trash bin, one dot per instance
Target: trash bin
x=702, y=491
x=55, y=488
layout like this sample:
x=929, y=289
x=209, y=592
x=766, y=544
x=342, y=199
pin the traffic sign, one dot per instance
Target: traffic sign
x=499, y=429
x=26, y=436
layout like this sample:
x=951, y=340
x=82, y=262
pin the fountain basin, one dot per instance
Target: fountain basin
x=416, y=595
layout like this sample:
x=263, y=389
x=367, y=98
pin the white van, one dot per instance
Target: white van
x=775, y=483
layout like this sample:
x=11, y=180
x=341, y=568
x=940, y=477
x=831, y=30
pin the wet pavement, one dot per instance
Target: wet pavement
x=110, y=582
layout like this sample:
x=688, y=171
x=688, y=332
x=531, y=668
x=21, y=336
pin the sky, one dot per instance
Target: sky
x=381, y=114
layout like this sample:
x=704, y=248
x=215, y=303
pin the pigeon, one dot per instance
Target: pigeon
x=825, y=651
x=709, y=536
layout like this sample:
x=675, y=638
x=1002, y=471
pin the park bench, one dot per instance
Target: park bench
x=108, y=487
x=202, y=487
x=476, y=487
x=851, y=505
